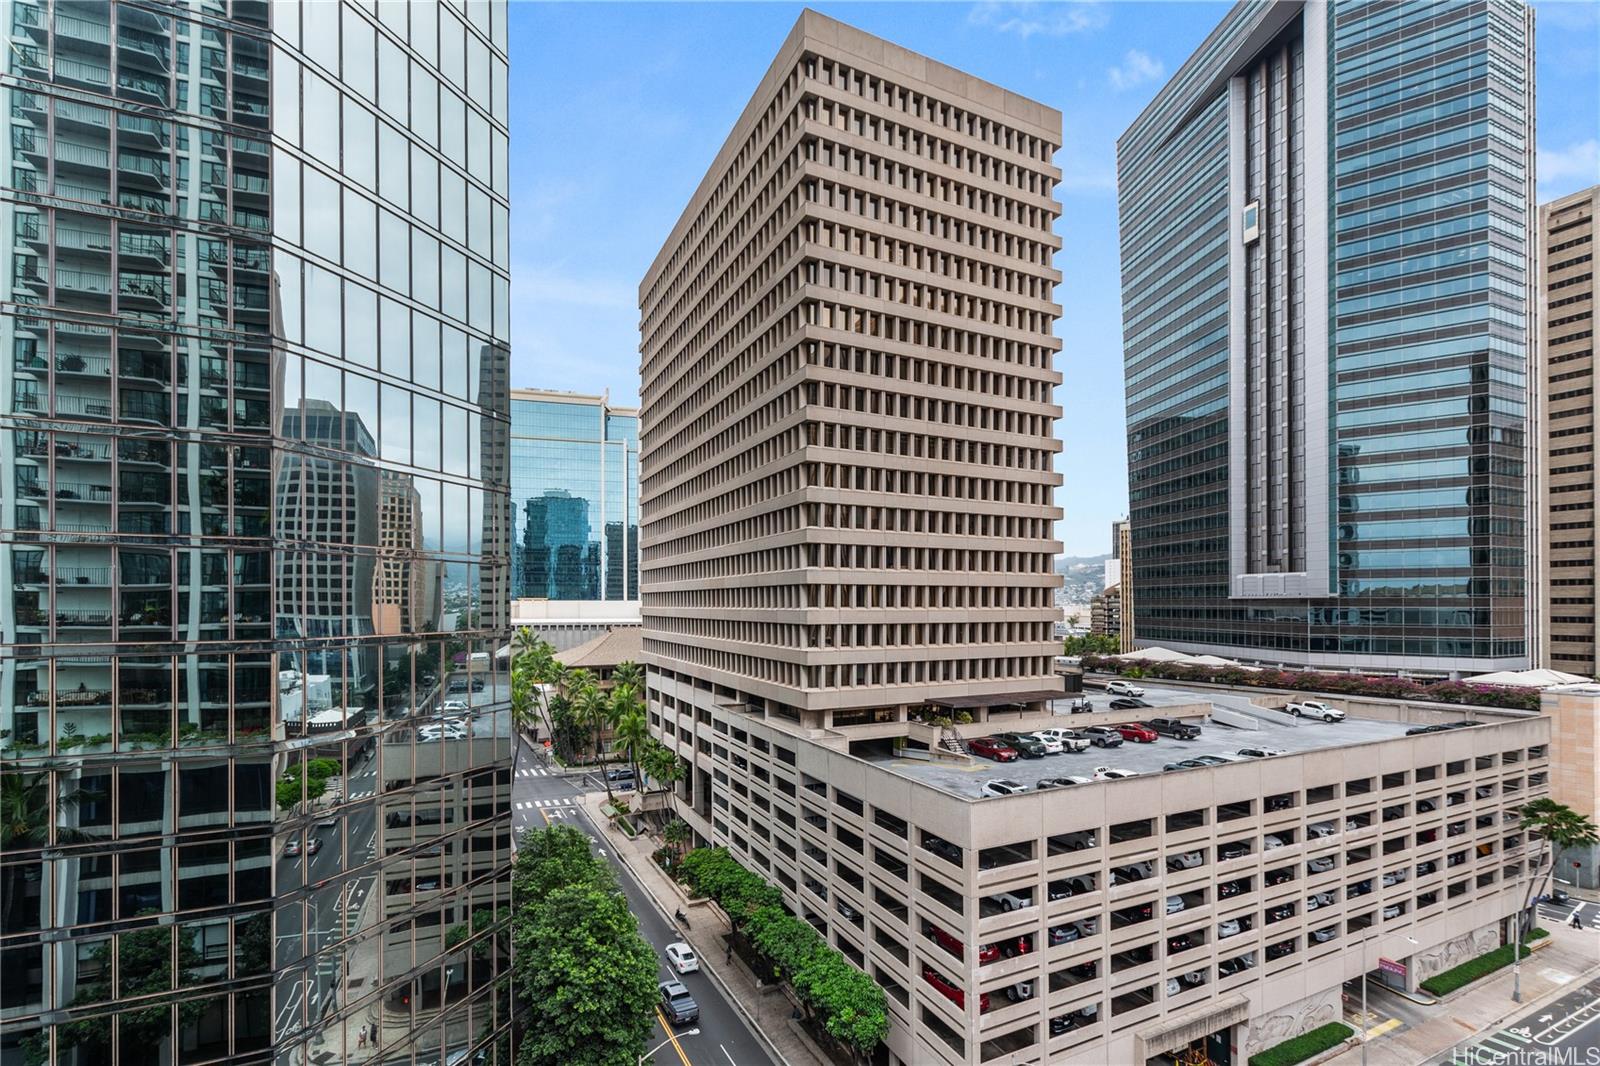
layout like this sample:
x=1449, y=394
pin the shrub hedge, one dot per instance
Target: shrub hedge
x=1442, y=984
x=849, y=1004
x=1302, y=1047
x=1457, y=692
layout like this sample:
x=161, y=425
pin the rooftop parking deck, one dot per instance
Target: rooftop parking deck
x=1274, y=730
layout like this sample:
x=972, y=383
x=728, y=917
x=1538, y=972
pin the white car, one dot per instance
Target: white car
x=1052, y=745
x=1270, y=841
x=1187, y=860
x=454, y=707
x=1228, y=928
x=1174, y=904
x=1392, y=911
x=443, y=731
x=1111, y=773
x=1315, y=709
x=1261, y=753
x=1320, y=830
x=681, y=957
x=1320, y=865
x=1003, y=787
x=1123, y=688
x=1010, y=901
x=1321, y=899
x=1020, y=991
x=1069, y=740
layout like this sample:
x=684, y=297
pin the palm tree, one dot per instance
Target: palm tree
x=1558, y=828
x=534, y=669
x=630, y=674
x=26, y=822
x=676, y=834
x=631, y=730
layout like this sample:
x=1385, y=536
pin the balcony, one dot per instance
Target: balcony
x=94, y=75
x=82, y=30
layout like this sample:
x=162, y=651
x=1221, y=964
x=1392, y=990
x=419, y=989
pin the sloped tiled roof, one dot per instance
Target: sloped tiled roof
x=621, y=644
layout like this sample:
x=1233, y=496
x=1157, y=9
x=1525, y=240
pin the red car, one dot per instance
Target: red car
x=986, y=952
x=951, y=991
x=1137, y=732
x=990, y=748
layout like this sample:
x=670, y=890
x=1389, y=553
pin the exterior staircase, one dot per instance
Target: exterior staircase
x=951, y=741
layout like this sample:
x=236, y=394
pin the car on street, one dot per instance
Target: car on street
x=1129, y=703
x=677, y=1004
x=293, y=847
x=1261, y=753
x=1003, y=786
x=1112, y=773
x=1069, y=739
x=1137, y=732
x=1314, y=709
x=990, y=748
x=1103, y=736
x=1173, y=727
x=1123, y=688
x=681, y=957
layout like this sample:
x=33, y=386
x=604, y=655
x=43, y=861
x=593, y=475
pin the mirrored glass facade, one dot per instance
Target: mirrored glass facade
x=253, y=446
x=1326, y=274
x=575, y=497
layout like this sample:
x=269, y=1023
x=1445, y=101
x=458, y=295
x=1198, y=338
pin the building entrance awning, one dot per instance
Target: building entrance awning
x=999, y=699
x=1178, y=1031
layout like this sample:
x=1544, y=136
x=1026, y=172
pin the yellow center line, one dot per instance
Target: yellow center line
x=543, y=815
x=672, y=1036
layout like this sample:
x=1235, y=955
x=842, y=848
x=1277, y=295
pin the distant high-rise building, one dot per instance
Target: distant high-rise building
x=257, y=303
x=1567, y=231
x=1122, y=552
x=575, y=505
x=1325, y=221
x=846, y=481
x=1105, y=613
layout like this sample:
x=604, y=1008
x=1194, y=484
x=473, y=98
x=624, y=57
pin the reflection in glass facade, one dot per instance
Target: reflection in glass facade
x=1325, y=225
x=574, y=497
x=253, y=445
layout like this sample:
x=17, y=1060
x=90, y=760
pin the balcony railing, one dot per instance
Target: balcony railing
x=77, y=70
x=82, y=29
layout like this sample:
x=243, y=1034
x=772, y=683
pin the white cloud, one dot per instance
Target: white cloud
x=1564, y=170
x=1137, y=68
x=1025, y=18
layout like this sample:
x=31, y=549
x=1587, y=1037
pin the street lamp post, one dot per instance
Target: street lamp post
x=670, y=1038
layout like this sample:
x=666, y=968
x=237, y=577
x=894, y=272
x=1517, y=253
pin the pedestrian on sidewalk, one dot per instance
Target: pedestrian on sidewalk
x=728, y=958
x=361, y=1038
x=1573, y=921
x=374, y=1034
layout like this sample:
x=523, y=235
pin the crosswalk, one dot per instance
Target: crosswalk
x=564, y=807
x=1508, y=1045
x=537, y=771
x=1561, y=914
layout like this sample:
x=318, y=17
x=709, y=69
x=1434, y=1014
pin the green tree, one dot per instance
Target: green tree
x=534, y=672
x=1558, y=828
x=571, y=733
x=144, y=961
x=632, y=730
x=1090, y=644
x=630, y=674
x=587, y=979
x=676, y=834
x=25, y=825
x=661, y=764
x=552, y=858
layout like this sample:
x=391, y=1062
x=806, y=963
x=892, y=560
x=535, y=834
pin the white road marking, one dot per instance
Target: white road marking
x=730, y=1057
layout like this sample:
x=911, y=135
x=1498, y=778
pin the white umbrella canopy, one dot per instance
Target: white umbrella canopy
x=1153, y=655
x=1527, y=678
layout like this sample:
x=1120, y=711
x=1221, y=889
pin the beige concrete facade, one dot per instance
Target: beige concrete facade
x=1565, y=376
x=847, y=426
x=1406, y=837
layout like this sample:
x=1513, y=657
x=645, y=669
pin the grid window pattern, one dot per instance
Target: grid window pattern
x=253, y=510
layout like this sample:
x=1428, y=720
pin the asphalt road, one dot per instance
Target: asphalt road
x=541, y=798
x=1565, y=1032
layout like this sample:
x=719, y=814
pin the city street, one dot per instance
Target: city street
x=1566, y=1031
x=542, y=796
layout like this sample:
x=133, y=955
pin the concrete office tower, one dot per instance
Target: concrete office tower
x=256, y=307
x=1325, y=222
x=1566, y=418
x=847, y=429
x=575, y=515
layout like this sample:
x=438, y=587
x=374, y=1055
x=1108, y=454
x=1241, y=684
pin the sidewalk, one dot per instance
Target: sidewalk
x=768, y=1014
x=1547, y=974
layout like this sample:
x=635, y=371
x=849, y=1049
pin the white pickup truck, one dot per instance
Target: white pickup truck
x=1315, y=709
x=1070, y=741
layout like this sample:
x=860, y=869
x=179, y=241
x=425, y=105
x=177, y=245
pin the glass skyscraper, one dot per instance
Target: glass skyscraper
x=574, y=497
x=253, y=513
x=1325, y=223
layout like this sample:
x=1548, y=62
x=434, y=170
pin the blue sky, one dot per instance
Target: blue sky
x=617, y=109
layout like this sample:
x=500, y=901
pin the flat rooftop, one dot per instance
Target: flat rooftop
x=1274, y=730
